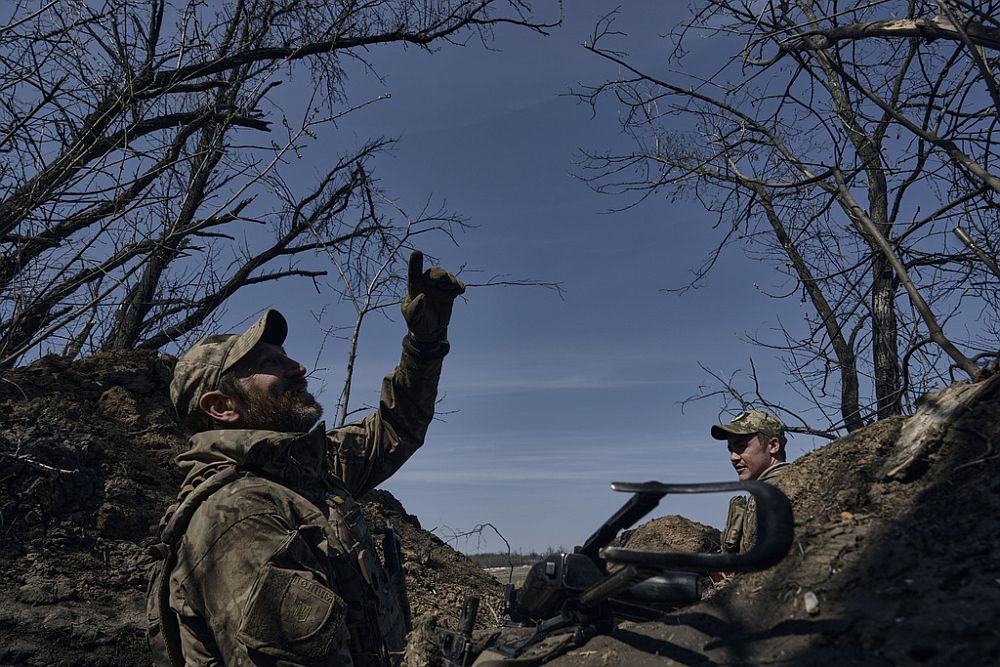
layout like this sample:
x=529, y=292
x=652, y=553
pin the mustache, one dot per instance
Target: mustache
x=294, y=397
x=297, y=388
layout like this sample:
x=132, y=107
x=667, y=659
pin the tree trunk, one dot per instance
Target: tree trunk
x=884, y=334
x=885, y=331
x=850, y=409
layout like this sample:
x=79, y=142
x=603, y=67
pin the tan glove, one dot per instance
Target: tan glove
x=429, y=298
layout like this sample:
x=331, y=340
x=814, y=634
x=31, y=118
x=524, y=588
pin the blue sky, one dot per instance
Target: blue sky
x=546, y=400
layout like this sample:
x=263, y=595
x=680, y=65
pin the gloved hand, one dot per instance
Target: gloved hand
x=430, y=295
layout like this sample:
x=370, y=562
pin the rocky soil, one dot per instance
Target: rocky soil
x=897, y=533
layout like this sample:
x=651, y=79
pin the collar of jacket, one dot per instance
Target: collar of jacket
x=296, y=459
x=773, y=470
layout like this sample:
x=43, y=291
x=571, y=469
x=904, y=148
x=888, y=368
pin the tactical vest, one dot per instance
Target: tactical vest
x=374, y=616
x=362, y=579
x=740, y=532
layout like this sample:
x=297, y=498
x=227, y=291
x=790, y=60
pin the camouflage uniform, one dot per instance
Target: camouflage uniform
x=266, y=557
x=741, y=523
x=278, y=566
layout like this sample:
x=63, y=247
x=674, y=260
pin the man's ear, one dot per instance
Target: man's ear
x=220, y=407
x=774, y=447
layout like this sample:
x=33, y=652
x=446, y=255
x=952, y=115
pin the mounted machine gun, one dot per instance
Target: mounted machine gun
x=580, y=594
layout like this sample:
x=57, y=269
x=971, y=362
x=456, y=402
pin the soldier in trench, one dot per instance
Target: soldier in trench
x=756, y=442
x=267, y=559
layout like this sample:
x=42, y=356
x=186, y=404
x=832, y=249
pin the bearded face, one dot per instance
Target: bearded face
x=271, y=392
x=291, y=409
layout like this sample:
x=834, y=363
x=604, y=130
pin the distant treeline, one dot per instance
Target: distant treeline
x=504, y=559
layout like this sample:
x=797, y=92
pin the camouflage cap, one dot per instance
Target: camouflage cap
x=750, y=422
x=201, y=367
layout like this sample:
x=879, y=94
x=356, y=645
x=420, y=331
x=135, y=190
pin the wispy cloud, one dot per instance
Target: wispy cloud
x=516, y=458
x=547, y=371
x=482, y=385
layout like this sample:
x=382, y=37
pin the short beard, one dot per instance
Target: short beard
x=291, y=411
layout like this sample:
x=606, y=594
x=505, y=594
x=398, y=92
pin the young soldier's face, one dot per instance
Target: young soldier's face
x=274, y=392
x=751, y=455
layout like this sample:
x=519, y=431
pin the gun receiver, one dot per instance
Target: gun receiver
x=456, y=645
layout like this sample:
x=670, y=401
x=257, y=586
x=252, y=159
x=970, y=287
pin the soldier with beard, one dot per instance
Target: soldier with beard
x=266, y=558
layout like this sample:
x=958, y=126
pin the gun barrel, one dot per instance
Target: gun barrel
x=392, y=557
x=469, y=612
x=971, y=245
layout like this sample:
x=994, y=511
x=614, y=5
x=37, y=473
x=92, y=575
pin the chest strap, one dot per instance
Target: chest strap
x=168, y=631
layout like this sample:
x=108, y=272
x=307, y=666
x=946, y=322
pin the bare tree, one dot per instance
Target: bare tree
x=143, y=147
x=820, y=144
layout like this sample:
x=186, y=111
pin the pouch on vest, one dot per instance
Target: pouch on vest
x=378, y=635
x=733, y=532
x=386, y=584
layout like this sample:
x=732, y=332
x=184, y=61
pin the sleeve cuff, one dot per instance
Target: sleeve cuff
x=425, y=351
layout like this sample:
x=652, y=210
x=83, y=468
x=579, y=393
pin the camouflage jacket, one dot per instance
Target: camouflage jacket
x=741, y=523
x=278, y=566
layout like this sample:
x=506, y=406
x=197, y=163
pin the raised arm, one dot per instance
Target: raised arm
x=367, y=452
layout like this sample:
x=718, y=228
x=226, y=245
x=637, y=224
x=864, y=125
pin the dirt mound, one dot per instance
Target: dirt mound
x=896, y=537
x=673, y=533
x=438, y=577
x=86, y=451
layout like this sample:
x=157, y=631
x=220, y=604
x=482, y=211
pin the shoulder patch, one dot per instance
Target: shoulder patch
x=292, y=616
x=305, y=607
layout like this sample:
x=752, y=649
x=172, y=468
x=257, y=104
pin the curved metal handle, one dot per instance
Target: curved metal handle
x=775, y=530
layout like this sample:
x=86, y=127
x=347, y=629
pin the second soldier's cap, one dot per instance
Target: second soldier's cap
x=201, y=367
x=748, y=423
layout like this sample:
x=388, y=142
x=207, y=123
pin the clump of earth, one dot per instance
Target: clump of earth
x=895, y=551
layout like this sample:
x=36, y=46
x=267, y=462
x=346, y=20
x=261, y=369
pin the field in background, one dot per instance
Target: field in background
x=509, y=567
x=505, y=559
x=507, y=575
